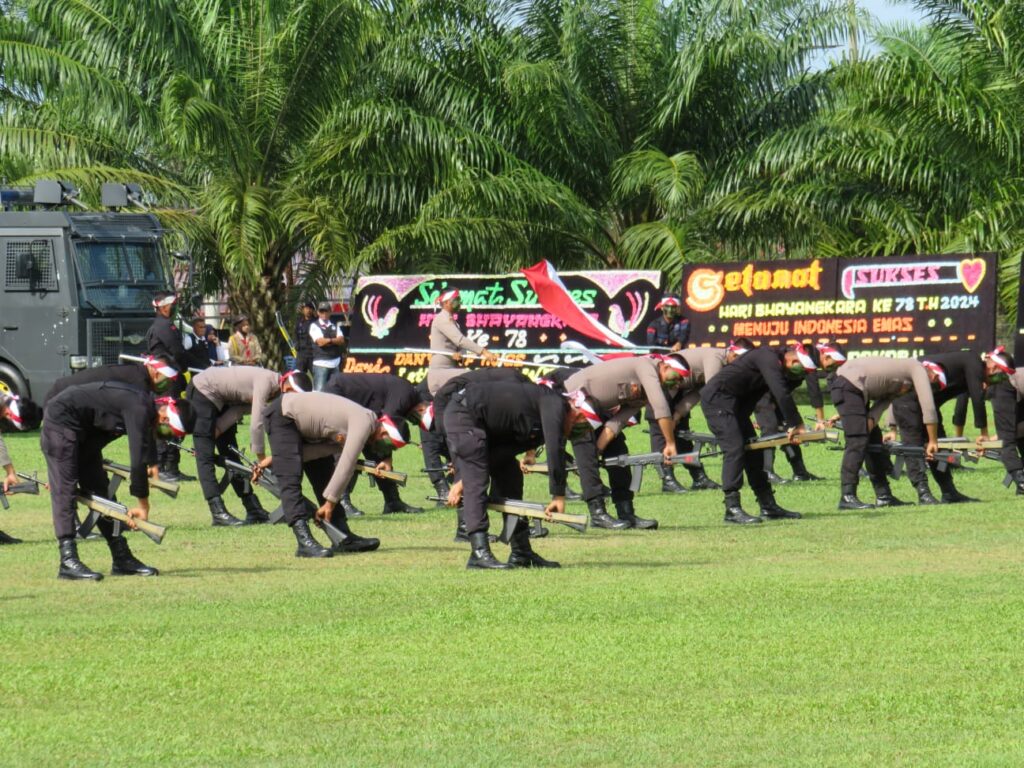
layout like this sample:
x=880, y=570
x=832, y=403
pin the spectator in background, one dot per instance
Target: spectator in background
x=303, y=341
x=243, y=346
x=218, y=354
x=328, y=341
x=196, y=344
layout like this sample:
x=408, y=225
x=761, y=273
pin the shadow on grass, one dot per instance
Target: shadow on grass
x=638, y=564
x=875, y=512
x=194, y=572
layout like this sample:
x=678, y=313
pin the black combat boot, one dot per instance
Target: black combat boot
x=441, y=488
x=171, y=469
x=572, y=495
x=800, y=471
x=771, y=509
x=599, y=517
x=352, y=542
x=462, y=535
x=701, y=481
x=124, y=562
x=308, y=546
x=522, y=555
x=624, y=511
x=255, y=514
x=669, y=484
x=71, y=567
x=924, y=493
x=481, y=556
x=849, y=500
x=1018, y=480
x=769, y=468
x=537, y=530
x=734, y=512
x=884, y=497
x=950, y=495
x=393, y=504
x=351, y=510
x=6, y=539
x=219, y=514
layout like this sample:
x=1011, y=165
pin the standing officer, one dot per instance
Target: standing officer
x=623, y=385
x=220, y=397
x=384, y=395
x=1005, y=384
x=446, y=336
x=878, y=380
x=728, y=401
x=487, y=426
x=16, y=414
x=307, y=431
x=328, y=342
x=164, y=341
x=303, y=341
x=671, y=330
x=80, y=422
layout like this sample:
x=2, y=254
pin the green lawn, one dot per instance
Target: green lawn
x=890, y=637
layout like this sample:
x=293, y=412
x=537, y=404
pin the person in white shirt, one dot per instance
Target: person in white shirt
x=327, y=346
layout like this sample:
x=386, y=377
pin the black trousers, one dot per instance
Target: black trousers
x=434, y=447
x=209, y=448
x=853, y=410
x=769, y=421
x=584, y=448
x=304, y=362
x=74, y=462
x=286, y=446
x=682, y=445
x=907, y=412
x=480, y=465
x=729, y=421
x=1008, y=414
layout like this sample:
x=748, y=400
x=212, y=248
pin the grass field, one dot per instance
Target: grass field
x=889, y=637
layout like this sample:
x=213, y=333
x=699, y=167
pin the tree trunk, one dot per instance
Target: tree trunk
x=260, y=303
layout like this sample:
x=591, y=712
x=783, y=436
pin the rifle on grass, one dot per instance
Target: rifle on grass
x=780, y=439
x=514, y=509
x=99, y=507
x=222, y=484
x=121, y=472
x=29, y=484
x=963, y=444
x=943, y=460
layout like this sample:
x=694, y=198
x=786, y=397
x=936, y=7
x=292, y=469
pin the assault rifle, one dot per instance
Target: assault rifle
x=963, y=444
x=100, y=507
x=699, y=439
x=370, y=468
x=780, y=439
x=121, y=472
x=514, y=509
x=636, y=463
x=28, y=485
x=943, y=460
x=222, y=484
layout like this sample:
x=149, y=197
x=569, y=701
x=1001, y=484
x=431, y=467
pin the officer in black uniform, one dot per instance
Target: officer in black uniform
x=433, y=445
x=729, y=400
x=16, y=414
x=156, y=375
x=1005, y=387
x=80, y=422
x=769, y=421
x=487, y=425
x=385, y=395
x=671, y=330
x=303, y=342
x=164, y=340
x=963, y=373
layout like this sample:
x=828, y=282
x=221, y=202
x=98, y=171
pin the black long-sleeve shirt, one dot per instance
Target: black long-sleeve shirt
x=747, y=379
x=163, y=339
x=382, y=393
x=114, y=408
x=133, y=374
x=965, y=374
x=522, y=416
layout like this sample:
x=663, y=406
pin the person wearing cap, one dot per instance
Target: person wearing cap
x=671, y=330
x=385, y=395
x=619, y=389
x=164, y=340
x=303, y=341
x=447, y=337
x=17, y=414
x=728, y=401
x=321, y=435
x=957, y=374
x=154, y=374
x=243, y=346
x=487, y=425
x=197, y=346
x=878, y=381
x=1005, y=385
x=80, y=422
x=221, y=397
x=328, y=343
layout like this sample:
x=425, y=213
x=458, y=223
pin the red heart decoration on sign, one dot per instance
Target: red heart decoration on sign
x=972, y=272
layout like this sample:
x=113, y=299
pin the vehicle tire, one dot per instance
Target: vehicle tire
x=11, y=381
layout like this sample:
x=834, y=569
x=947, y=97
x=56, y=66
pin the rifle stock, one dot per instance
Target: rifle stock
x=28, y=485
x=962, y=444
x=123, y=472
x=515, y=509
x=782, y=438
x=119, y=512
x=370, y=468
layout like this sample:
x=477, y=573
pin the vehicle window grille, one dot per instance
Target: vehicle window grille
x=29, y=266
x=107, y=338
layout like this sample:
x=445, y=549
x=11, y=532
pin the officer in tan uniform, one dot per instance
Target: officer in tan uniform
x=446, y=336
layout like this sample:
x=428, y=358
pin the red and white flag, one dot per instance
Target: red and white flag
x=556, y=299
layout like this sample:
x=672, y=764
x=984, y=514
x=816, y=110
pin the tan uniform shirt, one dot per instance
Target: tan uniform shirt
x=704, y=363
x=244, y=350
x=235, y=388
x=627, y=383
x=883, y=379
x=445, y=335
x=319, y=417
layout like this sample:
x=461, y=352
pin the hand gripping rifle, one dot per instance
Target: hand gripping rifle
x=99, y=507
x=370, y=468
x=963, y=444
x=780, y=439
x=943, y=459
x=514, y=510
x=121, y=472
x=268, y=482
x=29, y=484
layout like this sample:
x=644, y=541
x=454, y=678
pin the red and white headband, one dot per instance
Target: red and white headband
x=674, y=363
x=165, y=301
x=451, y=293
x=827, y=349
x=804, y=357
x=160, y=367
x=937, y=370
x=392, y=432
x=736, y=349
x=13, y=406
x=578, y=400
x=173, y=417
x=668, y=301
x=427, y=419
x=998, y=358
x=293, y=376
